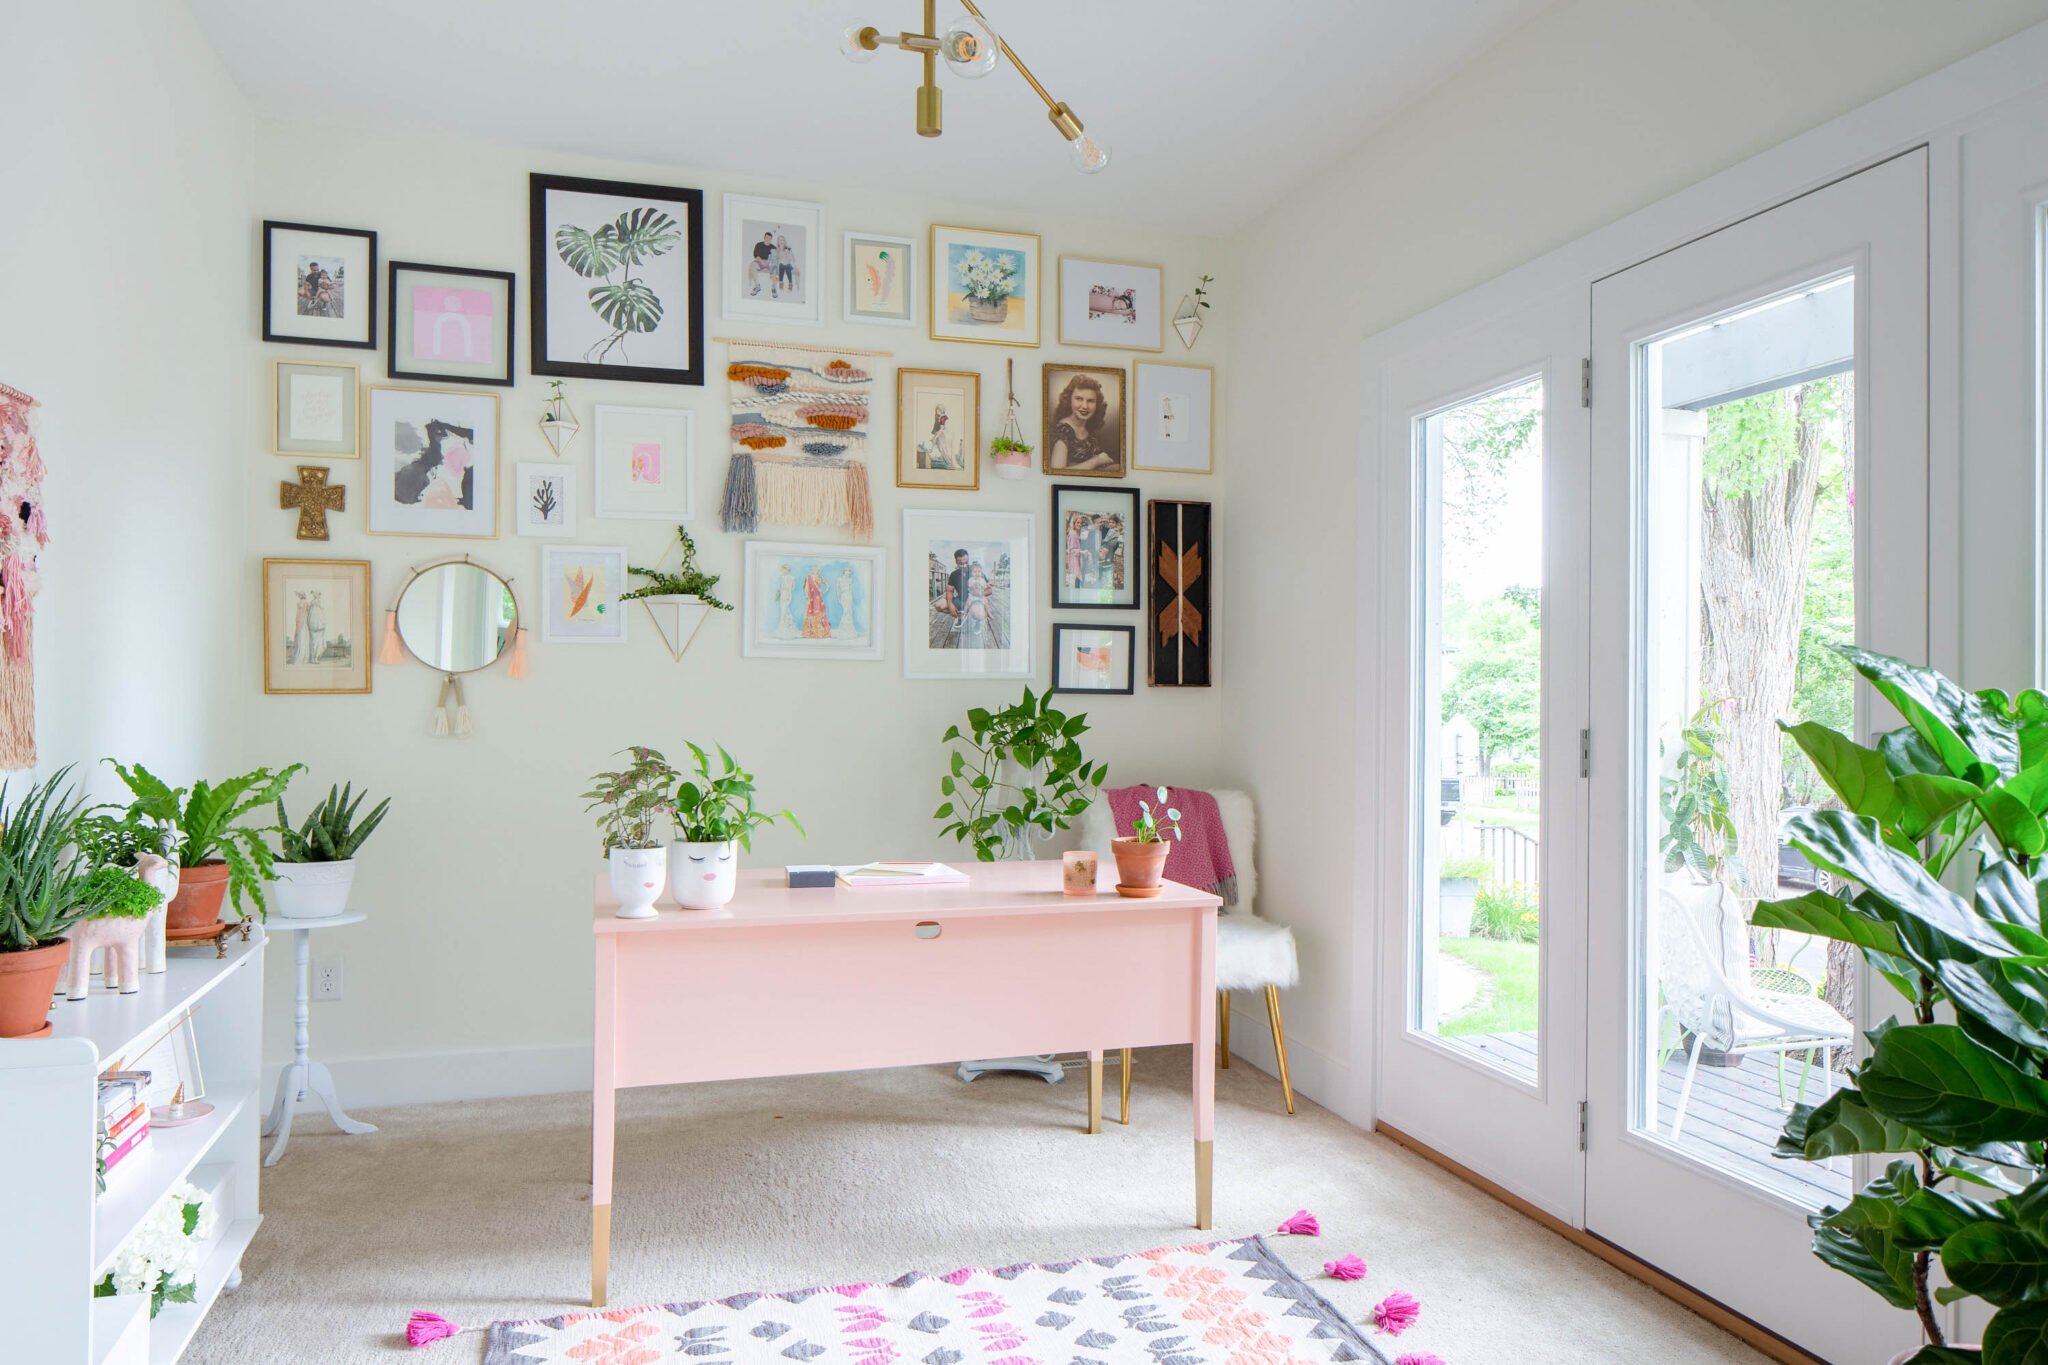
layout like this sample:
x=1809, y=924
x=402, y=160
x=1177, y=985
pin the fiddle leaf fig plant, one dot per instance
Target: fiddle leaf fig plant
x=1940, y=839
x=1014, y=771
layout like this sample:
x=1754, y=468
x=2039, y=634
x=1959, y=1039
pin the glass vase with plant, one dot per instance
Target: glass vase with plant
x=1018, y=773
x=46, y=887
x=316, y=863
x=221, y=857
x=715, y=817
x=634, y=809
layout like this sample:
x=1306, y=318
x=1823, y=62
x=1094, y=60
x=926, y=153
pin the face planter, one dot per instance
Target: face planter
x=637, y=875
x=703, y=876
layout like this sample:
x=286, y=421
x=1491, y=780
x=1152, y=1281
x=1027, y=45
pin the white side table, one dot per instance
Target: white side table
x=304, y=1073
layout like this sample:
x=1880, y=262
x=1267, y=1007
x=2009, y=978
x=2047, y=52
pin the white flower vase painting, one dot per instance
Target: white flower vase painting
x=985, y=286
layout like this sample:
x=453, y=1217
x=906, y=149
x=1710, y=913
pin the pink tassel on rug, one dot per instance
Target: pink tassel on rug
x=1345, y=1268
x=1419, y=1358
x=424, y=1329
x=1303, y=1224
x=1396, y=1313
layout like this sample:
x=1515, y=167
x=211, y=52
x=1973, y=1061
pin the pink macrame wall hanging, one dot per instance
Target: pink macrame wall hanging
x=23, y=534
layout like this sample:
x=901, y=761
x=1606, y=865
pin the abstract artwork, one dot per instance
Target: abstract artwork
x=316, y=625
x=967, y=593
x=938, y=429
x=450, y=322
x=1173, y=417
x=1180, y=625
x=646, y=463
x=618, y=280
x=580, y=587
x=433, y=462
x=880, y=275
x=1094, y=546
x=22, y=538
x=312, y=497
x=1112, y=303
x=544, y=500
x=985, y=286
x=1093, y=658
x=314, y=409
x=812, y=602
x=774, y=259
x=319, y=285
x=799, y=438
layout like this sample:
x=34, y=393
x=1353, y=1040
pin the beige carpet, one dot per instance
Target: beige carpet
x=480, y=1211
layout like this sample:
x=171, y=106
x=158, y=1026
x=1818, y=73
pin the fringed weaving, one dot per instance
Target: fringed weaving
x=799, y=440
x=24, y=531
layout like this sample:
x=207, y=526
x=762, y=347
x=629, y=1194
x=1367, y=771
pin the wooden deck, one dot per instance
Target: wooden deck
x=1732, y=1120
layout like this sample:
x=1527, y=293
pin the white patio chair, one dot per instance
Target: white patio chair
x=1699, y=927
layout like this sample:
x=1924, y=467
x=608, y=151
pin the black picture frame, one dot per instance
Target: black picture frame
x=1180, y=622
x=1066, y=598
x=690, y=203
x=1130, y=634
x=273, y=226
x=395, y=268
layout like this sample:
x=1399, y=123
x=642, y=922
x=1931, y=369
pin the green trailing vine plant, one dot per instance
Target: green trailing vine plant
x=1014, y=771
x=1699, y=828
x=685, y=580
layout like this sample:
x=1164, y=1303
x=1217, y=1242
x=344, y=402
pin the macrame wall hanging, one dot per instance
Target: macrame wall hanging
x=456, y=617
x=799, y=437
x=23, y=534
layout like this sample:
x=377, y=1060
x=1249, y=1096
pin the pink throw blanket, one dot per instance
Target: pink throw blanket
x=1201, y=856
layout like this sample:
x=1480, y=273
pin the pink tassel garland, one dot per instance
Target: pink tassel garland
x=393, y=652
x=424, y=1329
x=1303, y=1224
x=517, y=668
x=1345, y=1268
x=1396, y=1313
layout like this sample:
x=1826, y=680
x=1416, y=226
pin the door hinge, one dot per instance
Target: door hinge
x=1586, y=382
x=1582, y=1125
x=1585, y=753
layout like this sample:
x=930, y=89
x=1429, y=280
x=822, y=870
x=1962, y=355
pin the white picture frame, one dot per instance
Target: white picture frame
x=544, y=499
x=645, y=462
x=1173, y=418
x=778, y=604
x=871, y=292
x=410, y=437
x=1119, y=305
x=599, y=619
x=753, y=291
x=943, y=635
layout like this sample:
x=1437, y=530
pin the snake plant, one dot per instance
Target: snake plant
x=331, y=834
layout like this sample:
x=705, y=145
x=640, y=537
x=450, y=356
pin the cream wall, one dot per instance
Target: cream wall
x=473, y=974
x=1592, y=110
x=124, y=307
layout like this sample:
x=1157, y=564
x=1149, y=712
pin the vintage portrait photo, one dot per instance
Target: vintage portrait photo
x=1095, y=545
x=1084, y=421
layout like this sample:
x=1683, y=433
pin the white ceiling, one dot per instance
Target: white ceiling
x=1211, y=107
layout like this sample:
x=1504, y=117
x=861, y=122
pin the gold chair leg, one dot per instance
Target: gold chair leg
x=1223, y=1030
x=1279, y=1043
x=1124, y=1089
x=1094, y=1092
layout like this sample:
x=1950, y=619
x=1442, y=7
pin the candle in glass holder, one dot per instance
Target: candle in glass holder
x=1078, y=867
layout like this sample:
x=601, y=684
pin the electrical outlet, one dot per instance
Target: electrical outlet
x=327, y=979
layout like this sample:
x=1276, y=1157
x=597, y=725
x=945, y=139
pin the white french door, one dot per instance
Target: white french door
x=1759, y=485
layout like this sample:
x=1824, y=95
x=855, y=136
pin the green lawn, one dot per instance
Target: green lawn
x=1506, y=1002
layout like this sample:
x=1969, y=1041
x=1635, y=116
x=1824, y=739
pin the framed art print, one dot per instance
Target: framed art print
x=646, y=463
x=1180, y=624
x=984, y=286
x=450, y=322
x=1112, y=303
x=938, y=429
x=879, y=278
x=433, y=462
x=812, y=602
x=1094, y=546
x=316, y=625
x=1084, y=421
x=617, y=279
x=313, y=408
x=774, y=258
x=967, y=593
x=319, y=285
x=580, y=587
x=1173, y=418
x=544, y=500
x=1093, y=658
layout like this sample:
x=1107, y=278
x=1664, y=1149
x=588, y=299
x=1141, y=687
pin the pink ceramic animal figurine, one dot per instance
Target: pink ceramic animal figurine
x=121, y=936
x=162, y=874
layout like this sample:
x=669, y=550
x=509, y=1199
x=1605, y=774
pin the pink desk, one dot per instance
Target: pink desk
x=786, y=982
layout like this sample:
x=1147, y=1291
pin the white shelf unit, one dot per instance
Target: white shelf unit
x=63, y=1236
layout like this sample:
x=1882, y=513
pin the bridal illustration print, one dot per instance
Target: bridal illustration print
x=812, y=602
x=433, y=463
x=316, y=621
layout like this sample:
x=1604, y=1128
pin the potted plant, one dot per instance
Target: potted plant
x=1011, y=456
x=1026, y=775
x=220, y=859
x=988, y=281
x=161, y=1257
x=126, y=901
x=1457, y=892
x=714, y=812
x=45, y=888
x=633, y=810
x=1955, y=799
x=1141, y=854
x=316, y=863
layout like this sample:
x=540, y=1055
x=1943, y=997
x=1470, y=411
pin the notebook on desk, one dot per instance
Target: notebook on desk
x=901, y=874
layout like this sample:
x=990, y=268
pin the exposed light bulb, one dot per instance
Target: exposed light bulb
x=853, y=49
x=970, y=47
x=1090, y=153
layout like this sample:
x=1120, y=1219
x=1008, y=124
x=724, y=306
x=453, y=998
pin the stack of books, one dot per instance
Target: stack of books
x=124, y=1115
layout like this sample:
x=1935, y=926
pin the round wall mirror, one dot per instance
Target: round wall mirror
x=457, y=618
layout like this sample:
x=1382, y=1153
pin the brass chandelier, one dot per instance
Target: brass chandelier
x=972, y=49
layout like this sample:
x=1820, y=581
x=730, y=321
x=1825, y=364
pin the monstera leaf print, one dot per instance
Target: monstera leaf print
x=643, y=234
x=629, y=307
x=592, y=255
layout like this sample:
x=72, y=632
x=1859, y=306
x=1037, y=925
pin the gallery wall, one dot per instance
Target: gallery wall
x=1593, y=109
x=472, y=975
x=125, y=306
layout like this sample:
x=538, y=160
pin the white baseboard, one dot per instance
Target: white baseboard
x=436, y=1077
x=1314, y=1073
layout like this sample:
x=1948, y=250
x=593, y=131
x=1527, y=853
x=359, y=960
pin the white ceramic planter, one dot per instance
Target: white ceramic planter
x=1455, y=899
x=703, y=876
x=310, y=890
x=637, y=875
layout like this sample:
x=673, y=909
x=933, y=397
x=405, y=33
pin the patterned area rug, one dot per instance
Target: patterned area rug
x=1224, y=1303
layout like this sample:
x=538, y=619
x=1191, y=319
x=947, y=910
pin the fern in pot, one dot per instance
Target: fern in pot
x=222, y=858
x=316, y=862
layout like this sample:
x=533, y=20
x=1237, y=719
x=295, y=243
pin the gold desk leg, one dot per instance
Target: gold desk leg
x=1205, y=1175
x=1095, y=1092
x=1123, y=1082
x=1223, y=1030
x=1279, y=1043
x=600, y=1251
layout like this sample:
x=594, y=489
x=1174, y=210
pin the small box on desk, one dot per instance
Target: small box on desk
x=811, y=874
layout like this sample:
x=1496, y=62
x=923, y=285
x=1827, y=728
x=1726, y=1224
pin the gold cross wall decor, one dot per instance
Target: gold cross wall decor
x=314, y=497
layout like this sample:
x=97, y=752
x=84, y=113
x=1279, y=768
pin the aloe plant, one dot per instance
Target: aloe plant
x=1956, y=798
x=45, y=885
x=331, y=834
x=209, y=819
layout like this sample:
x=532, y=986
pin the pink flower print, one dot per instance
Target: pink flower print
x=1345, y=1268
x=878, y=1351
x=1303, y=1224
x=862, y=1318
x=618, y=1348
x=999, y=1336
x=1419, y=1358
x=1396, y=1313
x=985, y=1304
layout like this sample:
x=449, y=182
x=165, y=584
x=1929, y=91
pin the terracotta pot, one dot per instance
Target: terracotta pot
x=1902, y=1357
x=27, y=981
x=200, y=892
x=1140, y=867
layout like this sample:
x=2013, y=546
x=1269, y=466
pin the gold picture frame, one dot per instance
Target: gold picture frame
x=926, y=404
x=304, y=651
x=1093, y=309
x=1167, y=415
x=951, y=321
x=1113, y=391
x=346, y=446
